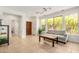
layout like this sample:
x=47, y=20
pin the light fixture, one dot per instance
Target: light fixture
x=44, y=10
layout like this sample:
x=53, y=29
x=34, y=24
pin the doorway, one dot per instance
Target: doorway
x=28, y=28
x=14, y=23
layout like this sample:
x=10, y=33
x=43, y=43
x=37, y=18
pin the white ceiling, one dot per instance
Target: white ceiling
x=31, y=10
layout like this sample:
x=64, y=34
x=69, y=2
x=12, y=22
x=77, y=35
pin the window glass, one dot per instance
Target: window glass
x=71, y=23
x=50, y=23
x=57, y=23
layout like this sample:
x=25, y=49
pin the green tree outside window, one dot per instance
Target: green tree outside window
x=50, y=23
x=57, y=23
x=71, y=23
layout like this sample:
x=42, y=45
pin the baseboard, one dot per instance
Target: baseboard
x=73, y=41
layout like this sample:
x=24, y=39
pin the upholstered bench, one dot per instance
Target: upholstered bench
x=62, y=36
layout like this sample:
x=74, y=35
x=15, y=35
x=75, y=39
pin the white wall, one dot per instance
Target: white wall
x=35, y=24
x=33, y=20
x=22, y=21
x=36, y=20
x=73, y=38
x=12, y=21
x=23, y=26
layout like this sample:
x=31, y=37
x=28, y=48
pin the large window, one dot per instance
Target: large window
x=71, y=23
x=43, y=24
x=57, y=23
x=50, y=23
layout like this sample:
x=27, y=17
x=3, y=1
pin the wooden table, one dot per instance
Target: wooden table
x=51, y=37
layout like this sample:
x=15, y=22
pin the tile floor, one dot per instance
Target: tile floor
x=31, y=45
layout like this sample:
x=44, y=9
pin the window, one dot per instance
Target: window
x=43, y=23
x=71, y=23
x=57, y=23
x=50, y=23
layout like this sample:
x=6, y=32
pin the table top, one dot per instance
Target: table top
x=49, y=36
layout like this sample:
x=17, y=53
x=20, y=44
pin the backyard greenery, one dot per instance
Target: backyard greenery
x=71, y=22
x=50, y=23
x=57, y=23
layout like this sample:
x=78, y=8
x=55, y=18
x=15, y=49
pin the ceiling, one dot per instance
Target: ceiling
x=34, y=10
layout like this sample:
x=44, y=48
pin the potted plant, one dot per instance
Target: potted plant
x=3, y=40
x=40, y=31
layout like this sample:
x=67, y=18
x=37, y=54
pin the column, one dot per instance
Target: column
x=37, y=24
x=46, y=25
x=63, y=23
x=23, y=26
x=78, y=21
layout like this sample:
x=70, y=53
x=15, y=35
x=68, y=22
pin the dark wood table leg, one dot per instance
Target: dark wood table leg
x=39, y=39
x=52, y=43
x=44, y=38
x=57, y=40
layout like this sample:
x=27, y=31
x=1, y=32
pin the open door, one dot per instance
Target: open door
x=28, y=28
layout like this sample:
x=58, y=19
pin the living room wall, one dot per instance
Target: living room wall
x=22, y=21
